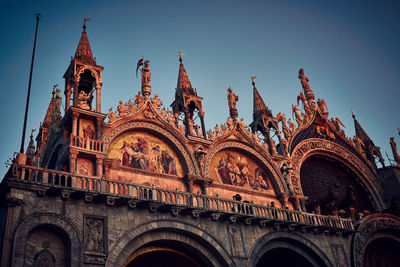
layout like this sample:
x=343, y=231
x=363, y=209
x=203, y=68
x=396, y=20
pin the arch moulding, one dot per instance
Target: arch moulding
x=315, y=146
x=34, y=220
x=286, y=240
x=181, y=150
x=170, y=231
x=369, y=230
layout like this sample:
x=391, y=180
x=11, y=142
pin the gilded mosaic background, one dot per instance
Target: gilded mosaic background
x=144, y=151
x=235, y=168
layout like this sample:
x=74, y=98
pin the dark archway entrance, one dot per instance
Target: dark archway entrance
x=283, y=257
x=164, y=256
x=382, y=252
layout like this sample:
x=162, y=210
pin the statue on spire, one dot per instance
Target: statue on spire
x=306, y=87
x=146, y=76
x=232, y=99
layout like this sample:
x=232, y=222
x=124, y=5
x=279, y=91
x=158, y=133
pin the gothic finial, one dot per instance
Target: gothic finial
x=353, y=114
x=180, y=56
x=84, y=23
x=252, y=80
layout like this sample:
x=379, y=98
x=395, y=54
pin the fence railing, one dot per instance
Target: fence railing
x=67, y=180
x=85, y=143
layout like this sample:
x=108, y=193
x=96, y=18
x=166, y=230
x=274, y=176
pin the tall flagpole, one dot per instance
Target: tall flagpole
x=29, y=86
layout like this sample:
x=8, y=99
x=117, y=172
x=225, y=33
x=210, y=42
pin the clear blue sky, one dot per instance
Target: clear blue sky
x=349, y=50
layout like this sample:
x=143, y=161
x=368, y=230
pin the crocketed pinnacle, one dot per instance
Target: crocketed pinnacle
x=183, y=80
x=259, y=107
x=362, y=134
x=84, y=52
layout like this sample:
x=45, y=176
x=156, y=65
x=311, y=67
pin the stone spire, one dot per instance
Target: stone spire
x=84, y=52
x=259, y=107
x=263, y=120
x=370, y=149
x=184, y=84
x=187, y=101
x=45, y=125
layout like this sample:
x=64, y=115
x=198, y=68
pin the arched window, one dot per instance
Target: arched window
x=332, y=188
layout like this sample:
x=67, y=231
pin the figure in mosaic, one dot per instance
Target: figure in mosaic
x=141, y=155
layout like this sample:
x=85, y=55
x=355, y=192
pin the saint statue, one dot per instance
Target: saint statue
x=84, y=101
x=232, y=99
x=146, y=74
x=57, y=106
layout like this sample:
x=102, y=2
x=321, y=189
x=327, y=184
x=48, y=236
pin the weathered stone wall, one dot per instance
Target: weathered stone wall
x=95, y=232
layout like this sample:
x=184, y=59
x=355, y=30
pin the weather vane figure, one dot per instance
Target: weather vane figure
x=146, y=76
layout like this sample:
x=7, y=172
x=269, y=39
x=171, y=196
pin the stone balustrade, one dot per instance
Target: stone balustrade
x=197, y=203
x=86, y=143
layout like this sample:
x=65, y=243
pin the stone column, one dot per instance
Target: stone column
x=99, y=130
x=68, y=92
x=75, y=99
x=98, y=98
x=72, y=162
x=75, y=124
x=99, y=167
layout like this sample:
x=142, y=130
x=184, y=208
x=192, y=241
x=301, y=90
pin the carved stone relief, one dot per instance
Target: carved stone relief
x=95, y=239
x=236, y=240
x=339, y=255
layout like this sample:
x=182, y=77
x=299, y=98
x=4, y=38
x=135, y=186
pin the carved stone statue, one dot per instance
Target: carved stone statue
x=322, y=107
x=122, y=109
x=146, y=74
x=396, y=156
x=232, y=99
x=230, y=124
x=242, y=124
x=286, y=173
x=171, y=119
x=295, y=110
x=306, y=87
x=156, y=102
x=198, y=130
x=57, y=106
x=200, y=157
x=111, y=115
x=139, y=100
x=84, y=101
x=88, y=132
x=285, y=129
x=131, y=106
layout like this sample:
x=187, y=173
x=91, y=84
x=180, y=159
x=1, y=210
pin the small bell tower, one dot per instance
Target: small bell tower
x=83, y=78
x=83, y=118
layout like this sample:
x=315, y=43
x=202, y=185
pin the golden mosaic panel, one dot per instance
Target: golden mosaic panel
x=235, y=168
x=144, y=151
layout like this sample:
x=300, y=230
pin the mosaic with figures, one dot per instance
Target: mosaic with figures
x=144, y=151
x=235, y=168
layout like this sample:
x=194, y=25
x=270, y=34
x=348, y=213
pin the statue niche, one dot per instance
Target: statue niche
x=85, y=90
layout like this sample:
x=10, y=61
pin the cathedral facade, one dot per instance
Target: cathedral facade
x=144, y=185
